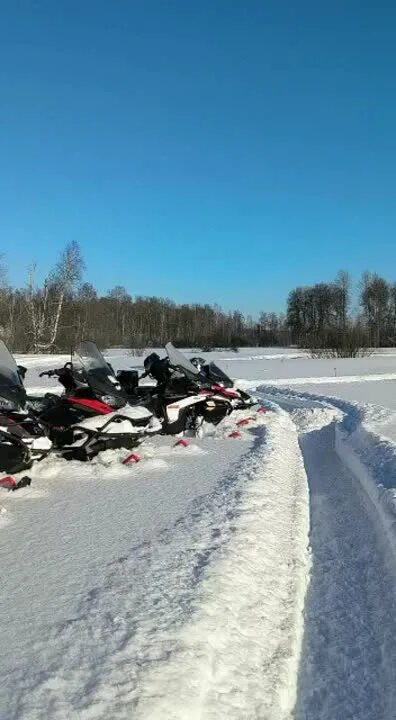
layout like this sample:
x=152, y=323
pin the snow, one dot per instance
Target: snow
x=348, y=660
x=346, y=379
x=252, y=578
x=67, y=544
x=241, y=624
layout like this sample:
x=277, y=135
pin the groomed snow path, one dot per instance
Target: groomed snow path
x=348, y=663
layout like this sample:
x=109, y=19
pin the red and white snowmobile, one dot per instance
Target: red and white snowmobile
x=92, y=415
x=211, y=373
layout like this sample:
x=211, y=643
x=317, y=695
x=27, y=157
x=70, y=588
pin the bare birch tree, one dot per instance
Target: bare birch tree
x=44, y=306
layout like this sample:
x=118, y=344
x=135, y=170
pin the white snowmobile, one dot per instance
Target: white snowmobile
x=182, y=399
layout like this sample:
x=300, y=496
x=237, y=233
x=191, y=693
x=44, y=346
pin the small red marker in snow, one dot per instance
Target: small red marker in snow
x=261, y=409
x=234, y=434
x=181, y=443
x=132, y=458
x=8, y=481
x=243, y=421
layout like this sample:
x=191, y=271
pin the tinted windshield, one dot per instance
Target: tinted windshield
x=90, y=356
x=181, y=362
x=99, y=374
x=218, y=374
x=11, y=387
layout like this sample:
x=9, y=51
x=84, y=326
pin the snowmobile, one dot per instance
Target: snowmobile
x=182, y=400
x=76, y=425
x=94, y=413
x=21, y=438
x=210, y=372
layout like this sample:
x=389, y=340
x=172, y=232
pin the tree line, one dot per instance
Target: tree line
x=63, y=310
x=321, y=316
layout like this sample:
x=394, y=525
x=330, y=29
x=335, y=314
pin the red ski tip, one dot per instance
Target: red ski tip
x=261, y=409
x=8, y=481
x=243, y=421
x=132, y=458
x=182, y=442
x=234, y=434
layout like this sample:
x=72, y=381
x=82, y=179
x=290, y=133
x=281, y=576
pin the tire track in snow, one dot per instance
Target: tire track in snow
x=348, y=662
x=203, y=622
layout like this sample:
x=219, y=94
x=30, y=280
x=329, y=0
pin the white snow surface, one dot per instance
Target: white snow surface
x=252, y=578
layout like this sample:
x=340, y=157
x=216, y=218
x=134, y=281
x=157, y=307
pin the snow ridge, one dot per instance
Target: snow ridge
x=368, y=455
x=348, y=666
x=238, y=656
x=324, y=380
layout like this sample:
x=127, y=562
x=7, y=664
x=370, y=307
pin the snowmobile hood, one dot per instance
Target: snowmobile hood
x=136, y=412
x=99, y=375
x=123, y=421
x=12, y=391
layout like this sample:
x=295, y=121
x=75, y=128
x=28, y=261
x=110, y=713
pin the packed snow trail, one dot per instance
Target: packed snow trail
x=348, y=666
x=203, y=619
x=238, y=655
x=348, y=660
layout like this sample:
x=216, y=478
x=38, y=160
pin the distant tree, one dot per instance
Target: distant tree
x=86, y=293
x=318, y=315
x=343, y=291
x=45, y=305
x=375, y=295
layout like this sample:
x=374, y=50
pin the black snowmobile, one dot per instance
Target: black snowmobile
x=20, y=435
x=77, y=425
x=181, y=399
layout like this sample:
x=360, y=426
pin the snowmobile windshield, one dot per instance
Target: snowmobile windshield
x=218, y=375
x=99, y=375
x=12, y=392
x=181, y=362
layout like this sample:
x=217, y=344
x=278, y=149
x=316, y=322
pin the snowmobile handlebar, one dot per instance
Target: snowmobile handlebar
x=67, y=368
x=48, y=373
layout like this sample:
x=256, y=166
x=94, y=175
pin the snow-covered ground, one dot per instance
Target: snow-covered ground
x=252, y=579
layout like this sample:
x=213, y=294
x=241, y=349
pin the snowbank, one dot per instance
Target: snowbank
x=368, y=455
x=238, y=655
x=372, y=460
x=326, y=380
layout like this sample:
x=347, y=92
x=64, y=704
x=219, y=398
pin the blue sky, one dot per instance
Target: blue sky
x=214, y=151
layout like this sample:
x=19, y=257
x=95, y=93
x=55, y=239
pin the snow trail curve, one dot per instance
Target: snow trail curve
x=348, y=662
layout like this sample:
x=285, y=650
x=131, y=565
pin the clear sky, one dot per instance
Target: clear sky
x=212, y=151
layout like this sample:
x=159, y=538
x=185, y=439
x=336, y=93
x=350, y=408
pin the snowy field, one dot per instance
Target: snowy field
x=246, y=579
